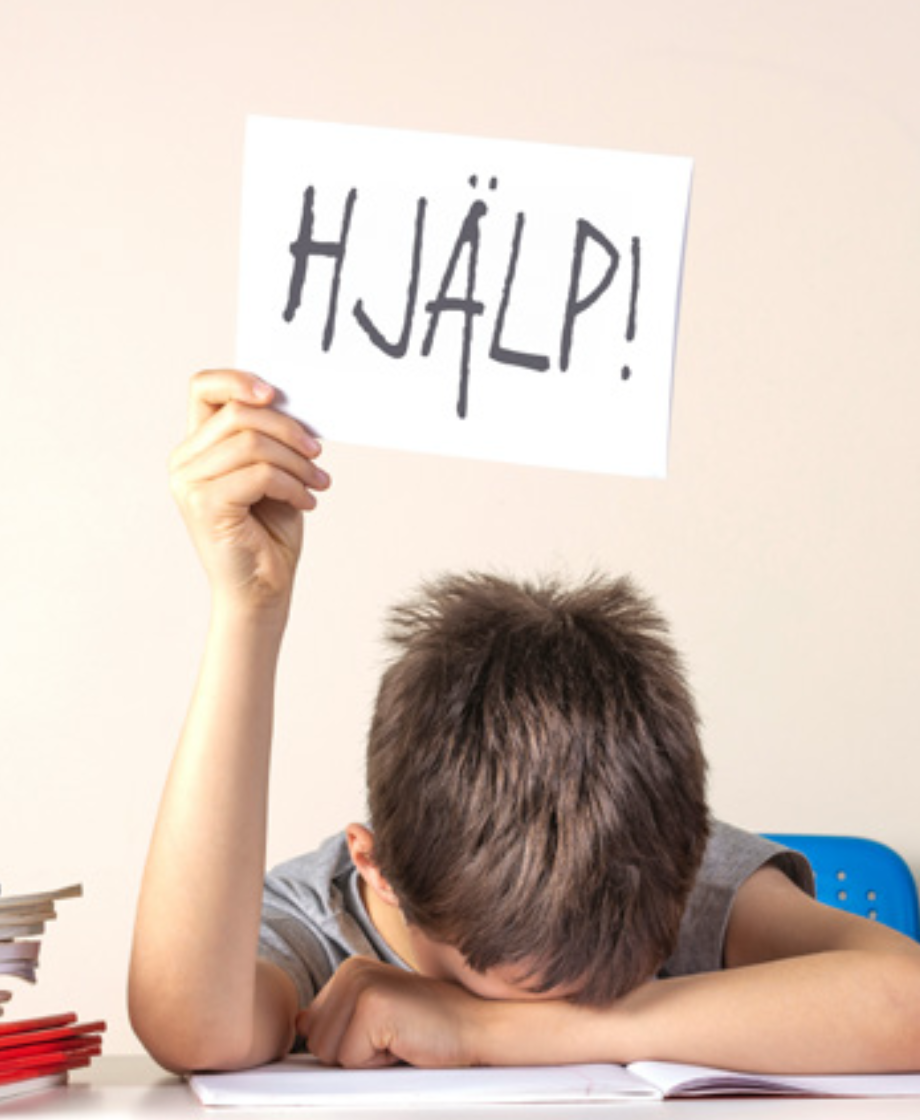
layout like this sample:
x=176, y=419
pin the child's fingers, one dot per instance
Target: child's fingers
x=326, y=1019
x=235, y=418
x=250, y=448
x=211, y=389
x=244, y=488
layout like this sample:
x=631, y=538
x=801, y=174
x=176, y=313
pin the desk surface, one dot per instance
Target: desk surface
x=135, y=1086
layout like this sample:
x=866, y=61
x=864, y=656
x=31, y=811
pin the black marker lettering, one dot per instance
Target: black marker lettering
x=626, y=372
x=305, y=247
x=398, y=349
x=456, y=293
x=497, y=352
x=575, y=305
x=470, y=307
x=634, y=290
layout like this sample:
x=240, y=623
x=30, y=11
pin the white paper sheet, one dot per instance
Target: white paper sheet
x=303, y=1081
x=492, y=299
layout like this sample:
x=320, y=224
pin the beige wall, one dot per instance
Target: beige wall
x=785, y=544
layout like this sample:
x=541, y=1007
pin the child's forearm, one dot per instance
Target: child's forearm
x=193, y=970
x=808, y=989
x=844, y=1011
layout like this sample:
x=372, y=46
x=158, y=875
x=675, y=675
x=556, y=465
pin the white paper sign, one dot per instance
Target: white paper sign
x=490, y=299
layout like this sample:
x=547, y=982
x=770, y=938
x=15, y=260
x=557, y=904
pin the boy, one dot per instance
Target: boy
x=540, y=882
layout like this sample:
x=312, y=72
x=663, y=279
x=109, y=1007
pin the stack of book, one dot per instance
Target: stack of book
x=37, y=1053
x=22, y=920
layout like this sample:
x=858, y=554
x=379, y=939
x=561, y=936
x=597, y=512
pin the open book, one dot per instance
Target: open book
x=304, y=1081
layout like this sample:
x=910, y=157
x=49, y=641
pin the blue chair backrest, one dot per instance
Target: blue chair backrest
x=861, y=876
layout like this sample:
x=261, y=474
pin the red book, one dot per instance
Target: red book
x=54, y=1058
x=51, y=1046
x=37, y=1054
x=36, y=1024
x=37, y=1079
x=32, y=1031
x=59, y=1065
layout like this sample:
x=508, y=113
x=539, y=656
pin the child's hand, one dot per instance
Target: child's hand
x=243, y=476
x=374, y=1014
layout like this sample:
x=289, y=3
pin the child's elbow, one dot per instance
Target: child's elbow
x=186, y=1030
x=189, y=1051
x=181, y=1041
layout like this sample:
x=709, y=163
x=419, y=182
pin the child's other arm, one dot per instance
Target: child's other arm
x=198, y=997
x=808, y=990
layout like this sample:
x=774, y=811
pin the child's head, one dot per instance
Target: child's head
x=535, y=779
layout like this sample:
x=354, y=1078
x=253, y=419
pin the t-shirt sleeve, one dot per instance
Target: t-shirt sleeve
x=313, y=918
x=283, y=943
x=293, y=943
x=731, y=857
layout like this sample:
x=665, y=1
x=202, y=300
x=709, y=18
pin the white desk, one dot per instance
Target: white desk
x=129, y=1087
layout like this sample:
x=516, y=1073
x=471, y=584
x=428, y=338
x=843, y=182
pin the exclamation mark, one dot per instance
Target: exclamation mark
x=626, y=372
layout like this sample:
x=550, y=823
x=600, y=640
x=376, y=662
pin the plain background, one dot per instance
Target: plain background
x=784, y=545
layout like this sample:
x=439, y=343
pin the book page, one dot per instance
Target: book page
x=303, y=1080
x=678, y=1080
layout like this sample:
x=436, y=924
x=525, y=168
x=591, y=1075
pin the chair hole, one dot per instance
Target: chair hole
x=871, y=896
x=842, y=896
x=873, y=915
x=841, y=875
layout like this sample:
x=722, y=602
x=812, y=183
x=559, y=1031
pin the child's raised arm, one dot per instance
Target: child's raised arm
x=198, y=997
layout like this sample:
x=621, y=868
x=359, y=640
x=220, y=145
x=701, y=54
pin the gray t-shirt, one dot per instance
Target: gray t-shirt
x=313, y=917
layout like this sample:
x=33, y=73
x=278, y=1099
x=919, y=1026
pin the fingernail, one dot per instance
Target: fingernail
x=261, y=389
x=310, y=442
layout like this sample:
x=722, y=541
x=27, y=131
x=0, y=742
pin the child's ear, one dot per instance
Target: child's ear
x=361, y=846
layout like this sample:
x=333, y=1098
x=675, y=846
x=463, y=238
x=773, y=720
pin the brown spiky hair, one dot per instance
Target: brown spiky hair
x=536, y=784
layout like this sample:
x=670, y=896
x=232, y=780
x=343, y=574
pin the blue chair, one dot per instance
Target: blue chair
x=861, y=876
